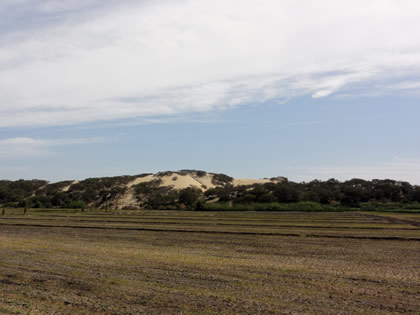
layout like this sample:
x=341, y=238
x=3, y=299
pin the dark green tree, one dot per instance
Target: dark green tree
x=189, y=197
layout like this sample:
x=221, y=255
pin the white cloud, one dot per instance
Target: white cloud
x=407, y=85
x=54, y=6
x=146, y=58
x=28, y=147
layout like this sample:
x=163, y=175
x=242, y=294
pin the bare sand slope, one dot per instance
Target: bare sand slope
x=141, y=179
x=247, y=181
x=174, y=180
x=178, y=181
x=205, y=182
x=65, y=189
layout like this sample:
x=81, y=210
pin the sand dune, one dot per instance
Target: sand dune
x=65, y=189
x=246, y=182
x=178, y=181
x=140, y=180
x=205, y=182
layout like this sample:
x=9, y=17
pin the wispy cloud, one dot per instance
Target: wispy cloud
x=28, y=147
x=82, y=61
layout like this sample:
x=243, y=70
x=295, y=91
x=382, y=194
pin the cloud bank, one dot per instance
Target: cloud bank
x=84, y=61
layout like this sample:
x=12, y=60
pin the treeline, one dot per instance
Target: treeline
x=350, y=193
x=285, y=195
x=15, y=193
x=94, y=192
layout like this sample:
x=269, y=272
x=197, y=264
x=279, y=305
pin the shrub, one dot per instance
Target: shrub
x=189, y=197
x=76, y=204
x=221, y=179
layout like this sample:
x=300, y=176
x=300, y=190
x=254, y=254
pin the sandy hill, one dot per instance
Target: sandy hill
x=121, y=192
x=194, y=179
x=186, y=179
x=131, y=185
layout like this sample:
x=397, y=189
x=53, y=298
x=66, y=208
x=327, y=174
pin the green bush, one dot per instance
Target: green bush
x=76, y=204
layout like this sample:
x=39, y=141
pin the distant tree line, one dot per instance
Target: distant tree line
x=348, y=193
x=355, y=193
x=104, y=192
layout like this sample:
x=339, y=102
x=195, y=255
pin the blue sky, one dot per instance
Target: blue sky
x=298, y=89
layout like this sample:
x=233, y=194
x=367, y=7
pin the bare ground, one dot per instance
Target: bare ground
x=54, y=270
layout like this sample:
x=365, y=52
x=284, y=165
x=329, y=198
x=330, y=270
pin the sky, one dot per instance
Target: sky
x=302, y=89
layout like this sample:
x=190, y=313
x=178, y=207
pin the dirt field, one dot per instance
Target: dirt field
x=56, y=262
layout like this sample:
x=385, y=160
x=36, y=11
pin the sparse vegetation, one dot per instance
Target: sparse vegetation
x=195, y=172
x=221, y=179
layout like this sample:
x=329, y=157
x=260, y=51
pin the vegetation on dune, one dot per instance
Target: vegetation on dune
x=221, y=179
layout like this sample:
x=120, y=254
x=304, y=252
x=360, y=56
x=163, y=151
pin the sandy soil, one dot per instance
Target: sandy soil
x=181, y=181
x=65, y=189
x=140, y=180
x=206, y=180
x=178, y=181
x=128, y=200
x=245, y=181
